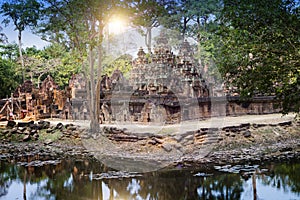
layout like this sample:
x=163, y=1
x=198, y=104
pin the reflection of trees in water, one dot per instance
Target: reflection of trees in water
x=68, y=180
x=6, y=176
x=285, y=176
x=223, y=186
x=8, y=173
x=179, y=185
x=63, y=181
x=4, y=185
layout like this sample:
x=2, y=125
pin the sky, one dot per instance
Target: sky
x=127, y=38
x=28, y=39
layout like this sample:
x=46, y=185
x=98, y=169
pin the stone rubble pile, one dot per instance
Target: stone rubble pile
x=31, y=131
x=244, y=143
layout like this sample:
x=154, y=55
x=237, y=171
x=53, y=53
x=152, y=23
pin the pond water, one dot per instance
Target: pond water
x=86, y=179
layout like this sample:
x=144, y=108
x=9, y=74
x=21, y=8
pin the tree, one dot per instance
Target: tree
x=3, y=37
x=9, y=55
x=22, y=13
x=73, y=22
x=9, y=51
x=122, y=63
x=8, y=78
x=81, y=24
x=197, y=20
x=178, y=16
x=146, y=17
x=204, y=15
x=259, y=49
x=62, y=62
x=54, y=60
x=191, y=17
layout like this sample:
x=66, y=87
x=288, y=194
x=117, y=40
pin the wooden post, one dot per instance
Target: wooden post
x=12, y=103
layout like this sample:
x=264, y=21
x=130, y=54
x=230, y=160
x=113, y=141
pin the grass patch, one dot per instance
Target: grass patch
x=169, y=130
x=17, y=137
x=265, y=131
x=43, y=135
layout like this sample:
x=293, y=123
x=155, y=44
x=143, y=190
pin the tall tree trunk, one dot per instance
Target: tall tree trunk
x=185, y=21
x=94, y=125
x=184, y=27
x=21, y=55
x=98, y=86
x=148, y=38
x=99, y=72
x=199, y=27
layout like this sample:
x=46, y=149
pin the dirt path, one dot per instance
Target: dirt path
x=216, y=122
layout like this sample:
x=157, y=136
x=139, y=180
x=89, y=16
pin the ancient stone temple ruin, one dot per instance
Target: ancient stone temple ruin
x=163, y=88
x=37, y=103
x=163, y=71
x=160, y=87
x=166, y=81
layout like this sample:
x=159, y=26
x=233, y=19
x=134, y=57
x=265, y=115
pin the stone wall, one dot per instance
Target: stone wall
x=154, y=109
x=163, y=88
x=229, y=106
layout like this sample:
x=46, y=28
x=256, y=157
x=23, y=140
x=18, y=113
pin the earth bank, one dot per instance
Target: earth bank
x=234, y=144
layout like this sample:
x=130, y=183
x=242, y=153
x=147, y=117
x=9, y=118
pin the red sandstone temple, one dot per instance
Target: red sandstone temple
x=162, y=88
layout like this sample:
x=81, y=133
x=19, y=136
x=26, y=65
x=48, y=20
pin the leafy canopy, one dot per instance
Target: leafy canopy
x=21, y=13
x=259, y=49
x=8, y=78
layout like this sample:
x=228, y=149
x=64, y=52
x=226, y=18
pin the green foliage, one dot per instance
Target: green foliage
x=21, y=13
x=122, y=63
x=203, y=15
x=198, y=20
x=8, y=78
x=66, y=22
x=3, y=37
x=69, y=65
x=259, y=49
x=9, y=51
x=147, y=16
x=54, y=60
x=207, y=58
x=10, y=54
x=178, y=16
x=77, y=24
x=148, y=12
x=190, y=17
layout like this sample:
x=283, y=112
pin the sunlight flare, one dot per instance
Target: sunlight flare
x=116, y=26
